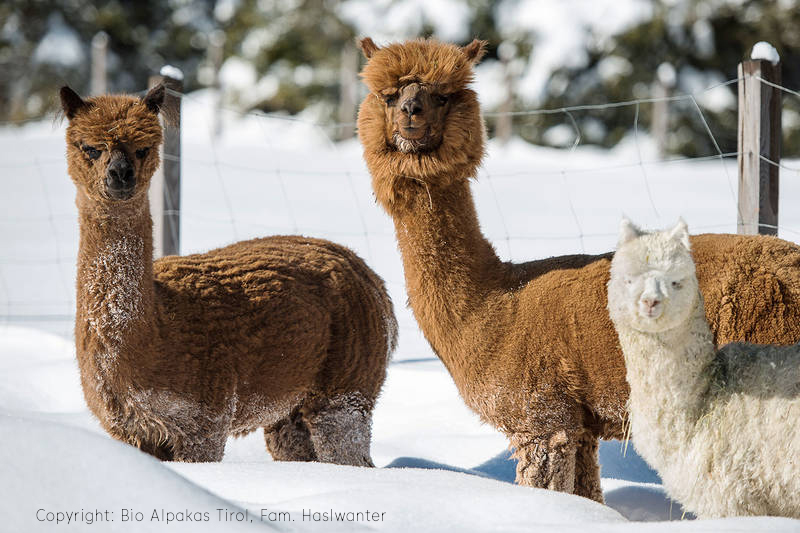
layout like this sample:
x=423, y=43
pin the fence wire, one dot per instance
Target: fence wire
x=343, y=171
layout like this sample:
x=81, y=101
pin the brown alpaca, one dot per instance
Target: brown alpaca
x=530, y=346
x=286, y=333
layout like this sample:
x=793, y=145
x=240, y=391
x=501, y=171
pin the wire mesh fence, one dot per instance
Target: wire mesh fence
x=274, y=174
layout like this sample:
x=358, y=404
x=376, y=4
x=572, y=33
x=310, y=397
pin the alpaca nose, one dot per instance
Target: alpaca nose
x=120, y=176
x=411, y=107
x=120, y=179
x=650, y=303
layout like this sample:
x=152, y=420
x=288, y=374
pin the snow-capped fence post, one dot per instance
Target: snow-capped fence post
x=99, y=77
x=759, y=142
x=348, y=91
x=165, y=187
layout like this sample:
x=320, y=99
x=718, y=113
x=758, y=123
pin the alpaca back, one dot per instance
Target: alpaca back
x=751, y=287
x=293, y=295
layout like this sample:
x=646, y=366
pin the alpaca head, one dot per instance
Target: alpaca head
x=420, y=119
x=112, y=144
x=653, y=286
x=418, y=89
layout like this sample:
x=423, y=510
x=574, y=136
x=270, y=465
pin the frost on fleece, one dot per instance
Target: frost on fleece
x=530, y=346
x=719, y=426
x=287, y=333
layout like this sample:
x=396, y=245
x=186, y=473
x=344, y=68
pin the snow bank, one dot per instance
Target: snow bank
x=412, y=499
x=53, y=472
x=38, y=372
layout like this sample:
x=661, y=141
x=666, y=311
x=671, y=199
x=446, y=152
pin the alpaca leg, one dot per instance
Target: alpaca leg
x=341, y=430
x=200, y=448
x=290, y=440
x=587, y=469
x=545, y=461
x=162, y=452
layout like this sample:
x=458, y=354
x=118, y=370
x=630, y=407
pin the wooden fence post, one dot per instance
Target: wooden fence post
x=216, y=56
x=348, y=91
x=504, y=126
x=165, y=188
x=759, y=143
x=99, y=77
x=662, y=89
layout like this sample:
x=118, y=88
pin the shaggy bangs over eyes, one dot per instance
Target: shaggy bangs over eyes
x=443, y=66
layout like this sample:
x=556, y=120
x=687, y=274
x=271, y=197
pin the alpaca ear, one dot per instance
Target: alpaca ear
x=680, y=233
x=627, y=231
x=71, y=103
x=368, y=47
x=475, y=51
x=154, y=98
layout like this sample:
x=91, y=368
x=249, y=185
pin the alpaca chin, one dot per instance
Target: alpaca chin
x=408, y=146
x=647, y=324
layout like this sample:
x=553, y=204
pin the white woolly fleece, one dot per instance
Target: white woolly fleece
x=721, y=427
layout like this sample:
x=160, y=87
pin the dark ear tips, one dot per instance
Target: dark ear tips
x=71, y=103
x=368, y=47
x=154, y=99
x=475, y=51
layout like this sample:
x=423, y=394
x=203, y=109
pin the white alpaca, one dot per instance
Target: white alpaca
x=721, y=427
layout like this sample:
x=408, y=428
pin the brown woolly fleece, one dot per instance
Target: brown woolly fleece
x=291, y=334
x=530, y=346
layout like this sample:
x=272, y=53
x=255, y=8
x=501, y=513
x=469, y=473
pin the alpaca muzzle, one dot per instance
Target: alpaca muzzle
x=411, y=120
x=411, y=106
x=120, y=178
x=650, y=307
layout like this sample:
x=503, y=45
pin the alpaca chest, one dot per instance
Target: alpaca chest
x=111, y=285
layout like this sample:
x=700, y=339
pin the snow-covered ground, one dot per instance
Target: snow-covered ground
x=439, y=467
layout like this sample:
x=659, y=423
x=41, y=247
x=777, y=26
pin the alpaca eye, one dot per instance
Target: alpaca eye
x=442, y=99
x=142, y=153
x=677, y=285
x=390, y=99
x=91, y=152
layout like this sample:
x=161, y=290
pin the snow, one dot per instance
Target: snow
x=439, y=467
x=490, y=80
x=57, y=459
x=613, y=67
x=708, y=89
x=169, y=71
x=764, y=50
x=666, y=74
x=703, y=35
x=61, y=45
x=237, y=73
x=561, y=29
x=57, y=475
x=385, y=20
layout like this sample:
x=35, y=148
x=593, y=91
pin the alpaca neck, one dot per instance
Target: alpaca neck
x=669, y=375
x=115, y=315
x=449, y=265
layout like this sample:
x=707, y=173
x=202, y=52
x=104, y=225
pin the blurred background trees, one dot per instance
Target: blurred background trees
x=299, y=57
